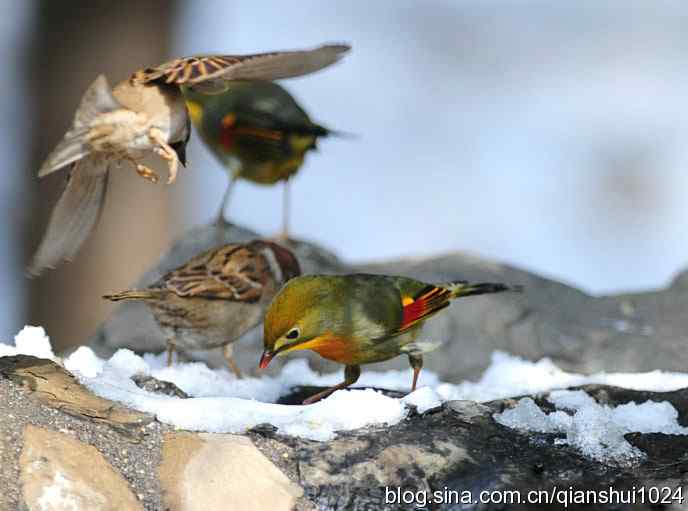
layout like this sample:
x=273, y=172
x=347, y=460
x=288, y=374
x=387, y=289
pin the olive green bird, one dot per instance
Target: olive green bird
x=258, y=132
x=358, y=319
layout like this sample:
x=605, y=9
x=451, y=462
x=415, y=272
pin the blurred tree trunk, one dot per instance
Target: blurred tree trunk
x=72, y=43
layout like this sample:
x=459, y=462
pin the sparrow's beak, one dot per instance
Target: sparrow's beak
x=266, y=358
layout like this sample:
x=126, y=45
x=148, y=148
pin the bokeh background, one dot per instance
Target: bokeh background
x=546, y=135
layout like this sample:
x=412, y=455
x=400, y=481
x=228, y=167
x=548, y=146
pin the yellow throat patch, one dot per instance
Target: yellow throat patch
x=195, y=111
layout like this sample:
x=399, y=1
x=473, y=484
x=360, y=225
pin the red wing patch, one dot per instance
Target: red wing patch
x=230, y=132
x=430, y=300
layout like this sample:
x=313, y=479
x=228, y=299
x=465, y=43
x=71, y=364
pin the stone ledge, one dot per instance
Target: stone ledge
x=70, y=453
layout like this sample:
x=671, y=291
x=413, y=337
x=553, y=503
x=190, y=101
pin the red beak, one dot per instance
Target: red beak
x=265, y=359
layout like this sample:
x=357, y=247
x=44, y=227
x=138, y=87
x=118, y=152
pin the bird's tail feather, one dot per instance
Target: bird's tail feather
x=74, y=215
x=327, y=132
x=133, y=294
x=96, y=100
x=462, y=288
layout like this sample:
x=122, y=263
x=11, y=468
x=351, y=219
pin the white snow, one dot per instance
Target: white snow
x=423, y=399
x=509, y=376
x=596, y=430
x=31, y=340
x=219, y=402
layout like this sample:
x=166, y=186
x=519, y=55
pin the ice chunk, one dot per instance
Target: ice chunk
x=596, y=430
x=570, y=399
x=525, y=416
x=423, y=399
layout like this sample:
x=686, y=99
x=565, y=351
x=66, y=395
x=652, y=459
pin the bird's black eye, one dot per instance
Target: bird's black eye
x=293, y=333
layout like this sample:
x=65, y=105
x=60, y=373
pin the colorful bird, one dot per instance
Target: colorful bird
x=358, y=319
x=217, y=296
x=143, y=114
x=258, y=132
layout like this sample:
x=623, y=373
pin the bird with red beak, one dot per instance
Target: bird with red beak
x=358, y=319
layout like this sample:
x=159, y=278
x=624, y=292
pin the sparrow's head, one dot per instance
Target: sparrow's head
x=295, y=317
x=283, y=264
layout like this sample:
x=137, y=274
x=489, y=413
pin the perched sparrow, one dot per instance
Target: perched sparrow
x=358, y=319
x=257, y=130
x=144, y=113
x=217, y=296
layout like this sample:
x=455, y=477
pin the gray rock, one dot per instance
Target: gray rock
x=166, y=388
x=631, y=332
x=468, y=410
x=461, y=448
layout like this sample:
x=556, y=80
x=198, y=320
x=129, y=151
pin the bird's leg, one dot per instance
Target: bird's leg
x=225, y=200
x=284, y=235
x=416, y=362
x=227, y=352
x=165, y=151
x=351, y=374
x=170, y=352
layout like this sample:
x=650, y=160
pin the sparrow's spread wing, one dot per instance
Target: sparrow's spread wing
x=206, y=69
x=231, y=272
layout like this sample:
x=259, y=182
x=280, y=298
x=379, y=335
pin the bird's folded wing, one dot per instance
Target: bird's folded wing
x=193, y=71
x=232, y=272
x=424, y=304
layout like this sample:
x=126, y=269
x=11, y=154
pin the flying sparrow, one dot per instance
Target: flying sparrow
x=217, y=296
x=358, y=319
x=144, y=113
x=258, y=131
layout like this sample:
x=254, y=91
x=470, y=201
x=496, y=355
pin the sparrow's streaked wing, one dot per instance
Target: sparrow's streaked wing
x=232, y=272
x=191, y=71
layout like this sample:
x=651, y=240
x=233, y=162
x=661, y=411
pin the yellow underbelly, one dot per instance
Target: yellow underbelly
x=271, y=172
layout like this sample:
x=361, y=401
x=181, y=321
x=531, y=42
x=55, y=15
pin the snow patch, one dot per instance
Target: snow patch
x=219, y=402
x=423, y=399
x=595, y=430
x=509, y=376
x=31, y=340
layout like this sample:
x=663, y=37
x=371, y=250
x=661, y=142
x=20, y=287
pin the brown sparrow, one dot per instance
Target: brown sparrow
x=144, y=113
x=217, y=296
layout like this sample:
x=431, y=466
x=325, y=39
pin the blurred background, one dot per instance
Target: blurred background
x=547, y=136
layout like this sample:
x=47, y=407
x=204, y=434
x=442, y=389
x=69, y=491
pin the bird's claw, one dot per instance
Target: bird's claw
x=172, y=162
x=165, y=151
x=146, y=173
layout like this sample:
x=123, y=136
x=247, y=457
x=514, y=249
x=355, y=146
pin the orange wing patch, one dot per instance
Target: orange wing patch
x=258, y=132
x=427, y=302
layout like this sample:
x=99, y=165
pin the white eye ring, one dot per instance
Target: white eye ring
x=292, y=334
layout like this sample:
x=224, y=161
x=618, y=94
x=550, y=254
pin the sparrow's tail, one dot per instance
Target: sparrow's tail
x=96, y=100
x=134, y=294
x=462, y=288
x=74, y=216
